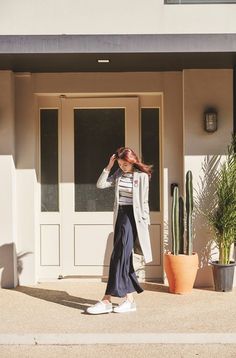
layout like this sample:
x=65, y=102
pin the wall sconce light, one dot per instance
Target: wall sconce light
x=210, y=120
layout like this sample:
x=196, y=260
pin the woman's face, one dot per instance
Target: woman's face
x=125, y=166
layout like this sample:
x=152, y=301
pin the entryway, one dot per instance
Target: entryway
x=76, y=138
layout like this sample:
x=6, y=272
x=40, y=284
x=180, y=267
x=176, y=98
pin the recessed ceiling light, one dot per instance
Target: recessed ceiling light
x=103, y=60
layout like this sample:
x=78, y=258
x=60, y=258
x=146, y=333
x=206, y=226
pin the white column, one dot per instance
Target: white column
x=26, y=179
x=8, y=257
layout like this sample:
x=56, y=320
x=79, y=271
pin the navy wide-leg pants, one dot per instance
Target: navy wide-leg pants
x=122, y=278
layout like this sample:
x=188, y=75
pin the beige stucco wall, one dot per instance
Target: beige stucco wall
x=202, y=89
x=109, y=17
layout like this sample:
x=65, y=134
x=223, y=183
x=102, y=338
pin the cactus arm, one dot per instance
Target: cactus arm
x=175, y=221
x=189, y=210
x=181, y=225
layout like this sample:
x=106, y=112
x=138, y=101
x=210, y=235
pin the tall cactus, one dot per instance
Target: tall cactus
x=189, y=211
x=178, y=219
x=175, y=221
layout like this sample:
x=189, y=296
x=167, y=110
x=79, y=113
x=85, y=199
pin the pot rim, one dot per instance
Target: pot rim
x=169, y=253
x=216, y=263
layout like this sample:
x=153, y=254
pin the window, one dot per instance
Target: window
x=98, y=133
x=49, y=159
x=150, y=152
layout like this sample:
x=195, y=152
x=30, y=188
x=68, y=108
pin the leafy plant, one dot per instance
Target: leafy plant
x=222, y=216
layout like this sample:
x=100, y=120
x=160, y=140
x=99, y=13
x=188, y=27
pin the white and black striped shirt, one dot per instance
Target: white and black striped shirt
x=126, y=189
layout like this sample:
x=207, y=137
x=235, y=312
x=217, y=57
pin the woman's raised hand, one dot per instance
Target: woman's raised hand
x=111, y=162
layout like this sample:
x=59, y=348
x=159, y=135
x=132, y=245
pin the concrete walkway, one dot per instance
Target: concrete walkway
x=49, y=319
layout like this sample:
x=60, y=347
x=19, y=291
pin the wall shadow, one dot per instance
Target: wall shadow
x=166, y=240
x=11, y=265
x=7, y=265
x=107, y=256
x=205, y=201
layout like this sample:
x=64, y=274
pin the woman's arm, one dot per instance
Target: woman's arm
x=104, y=181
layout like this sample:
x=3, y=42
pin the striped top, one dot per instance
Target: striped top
x=126, y=189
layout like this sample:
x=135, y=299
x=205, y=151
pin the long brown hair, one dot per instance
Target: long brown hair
x=131, y=157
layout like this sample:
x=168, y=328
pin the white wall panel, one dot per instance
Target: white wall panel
x=50, y=245
x=93, y=245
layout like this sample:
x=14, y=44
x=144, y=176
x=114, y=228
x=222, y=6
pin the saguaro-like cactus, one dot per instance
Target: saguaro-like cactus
x=189, y=211
x=178, y=227
x=175, y=221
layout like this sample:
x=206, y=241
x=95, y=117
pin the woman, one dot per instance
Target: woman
x=131, y=220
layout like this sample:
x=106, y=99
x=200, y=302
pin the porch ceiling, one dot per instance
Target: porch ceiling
x=79, y=53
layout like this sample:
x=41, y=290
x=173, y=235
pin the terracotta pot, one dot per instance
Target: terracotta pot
x=181, y=271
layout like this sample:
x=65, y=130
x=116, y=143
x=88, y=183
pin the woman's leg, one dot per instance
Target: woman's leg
x=106, y=298
x=122, y=278
x=130, y=297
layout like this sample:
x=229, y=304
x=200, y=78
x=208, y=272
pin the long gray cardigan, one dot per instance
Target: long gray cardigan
x=140, y=205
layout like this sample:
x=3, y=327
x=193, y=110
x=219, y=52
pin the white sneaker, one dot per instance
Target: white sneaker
x=100, y=307
x=126, y=306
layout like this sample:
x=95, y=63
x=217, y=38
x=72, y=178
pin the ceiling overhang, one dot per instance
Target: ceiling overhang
x=79, y=53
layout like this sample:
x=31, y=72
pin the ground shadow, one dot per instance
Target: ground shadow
x=155, y=287
x=55, y=296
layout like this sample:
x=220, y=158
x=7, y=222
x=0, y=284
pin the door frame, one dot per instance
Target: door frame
x=43, y=101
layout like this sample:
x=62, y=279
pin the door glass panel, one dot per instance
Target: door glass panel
x=150, y=152
x=49, y=159
x=97, y=134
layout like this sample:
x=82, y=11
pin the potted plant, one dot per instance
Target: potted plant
x=181, y=264
x=222, y=219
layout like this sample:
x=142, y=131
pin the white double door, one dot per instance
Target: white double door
x=77, y=239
